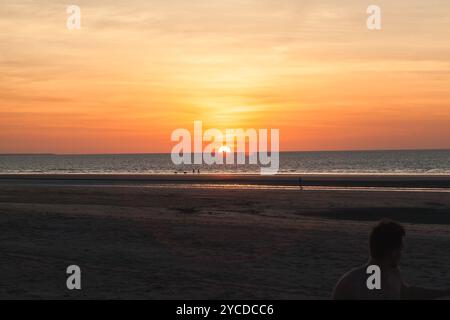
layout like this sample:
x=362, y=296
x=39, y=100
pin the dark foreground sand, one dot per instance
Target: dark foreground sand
x=163, y=242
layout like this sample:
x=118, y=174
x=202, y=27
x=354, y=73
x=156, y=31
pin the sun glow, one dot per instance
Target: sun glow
x=311, y=72
x=225, y=149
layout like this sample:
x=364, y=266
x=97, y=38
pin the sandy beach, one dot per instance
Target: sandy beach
x=206, y=241
x=224, y=150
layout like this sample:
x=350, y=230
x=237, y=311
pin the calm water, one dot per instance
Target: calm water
x=423, y=161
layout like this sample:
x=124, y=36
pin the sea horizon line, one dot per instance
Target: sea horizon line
x=168, y=153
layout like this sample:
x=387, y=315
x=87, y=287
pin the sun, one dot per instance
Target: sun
x=225, y=149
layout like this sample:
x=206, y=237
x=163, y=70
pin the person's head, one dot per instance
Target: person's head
x=386, y=241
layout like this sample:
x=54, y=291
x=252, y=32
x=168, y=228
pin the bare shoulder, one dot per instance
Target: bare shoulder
x=346, y=286
x=353, y=275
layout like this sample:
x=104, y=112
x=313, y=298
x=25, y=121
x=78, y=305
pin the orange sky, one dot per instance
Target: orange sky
x=138, y=70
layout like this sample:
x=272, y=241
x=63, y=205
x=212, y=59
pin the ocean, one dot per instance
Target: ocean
x=364, y=162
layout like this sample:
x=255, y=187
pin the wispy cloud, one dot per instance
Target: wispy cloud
x=151, y=66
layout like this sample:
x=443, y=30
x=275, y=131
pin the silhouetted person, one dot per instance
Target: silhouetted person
x=386, y=243
x=198, y=170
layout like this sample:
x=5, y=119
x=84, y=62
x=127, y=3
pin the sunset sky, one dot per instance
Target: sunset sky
x=138, y=69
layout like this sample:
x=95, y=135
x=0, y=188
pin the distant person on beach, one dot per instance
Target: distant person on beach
x=386, y=244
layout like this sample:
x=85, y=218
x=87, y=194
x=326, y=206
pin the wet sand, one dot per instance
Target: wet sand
x=341, y=180
x=161, y=242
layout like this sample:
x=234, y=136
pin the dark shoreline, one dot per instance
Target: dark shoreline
x=203, y=243
x=330, y=180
